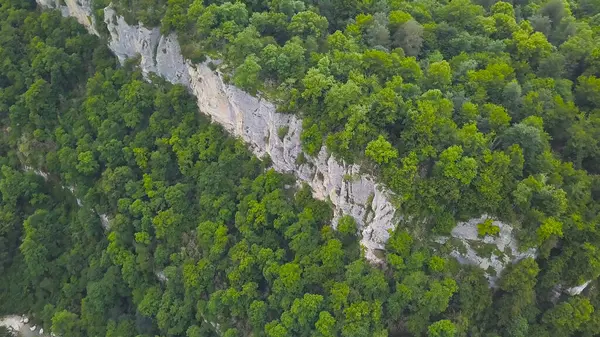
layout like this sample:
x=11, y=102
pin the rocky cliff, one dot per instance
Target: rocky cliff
x=79, y=9
x=256, y=121
x=253, y=119
x=490, y=253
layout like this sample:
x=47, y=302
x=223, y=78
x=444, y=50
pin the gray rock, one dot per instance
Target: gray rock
x=104, y=221
x=256, y=121
x=505, y=243
x=574, y=291
x=131, y=41
x=81, y=10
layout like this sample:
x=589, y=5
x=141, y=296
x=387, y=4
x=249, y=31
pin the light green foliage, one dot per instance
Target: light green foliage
x=282, y=132
x=303, y=314
x=308, y=24
x=400, y=243
x=246, y=75
x=454, y=165
x=311, y=139
x=588, y=91
x=498, y=117
x=325, y=325
x=175, y=16
x=531, y=46
x=534, y=193
x=274, y=329
x=65, y=323
x=398, y=18
x=443, y=328
x=487, y=228
x=439, y=75
x=502, y=7
x=87, y=164
x=403, y=178
x=550, y=227
x=347, y=226
x=316, y=84
x=437, y=264
x=520, y=276
x=569, y=316
x=381, y=151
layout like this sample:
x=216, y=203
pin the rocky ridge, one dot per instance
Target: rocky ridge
x=253, y=119
x=504, y=247
x=256, y=121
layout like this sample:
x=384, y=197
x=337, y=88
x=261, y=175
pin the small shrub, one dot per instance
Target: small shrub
x=487, y=228
x=282, y=132
x=301, y=159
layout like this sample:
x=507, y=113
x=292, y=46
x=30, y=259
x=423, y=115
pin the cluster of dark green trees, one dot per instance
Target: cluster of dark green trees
x=461, y=108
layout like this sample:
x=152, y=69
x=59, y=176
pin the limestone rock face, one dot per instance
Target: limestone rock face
x=574, y=291
x=254, y=120
x=257, y=122
x=505, y=248
x=79, y=9
x=131, y=41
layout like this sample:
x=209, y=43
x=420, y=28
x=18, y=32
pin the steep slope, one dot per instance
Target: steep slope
x=256, y=121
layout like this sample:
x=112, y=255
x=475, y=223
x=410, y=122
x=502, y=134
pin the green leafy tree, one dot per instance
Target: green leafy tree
x=453, y=165
x=65, y=323
x=247, y=74
x=443, y=328
x=567, y=317
x=381, y=151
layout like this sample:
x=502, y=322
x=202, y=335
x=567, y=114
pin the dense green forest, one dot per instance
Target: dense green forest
x=462, y=108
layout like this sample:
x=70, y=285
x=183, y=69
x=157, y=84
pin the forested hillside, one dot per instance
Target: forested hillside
x=461, y=108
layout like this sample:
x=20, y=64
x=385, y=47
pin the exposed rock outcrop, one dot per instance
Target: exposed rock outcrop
x=79, y=9
x=574, y=291
x=21, y=326
x=500, y=249
x=256, y=121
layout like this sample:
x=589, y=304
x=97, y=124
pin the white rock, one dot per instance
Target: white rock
x=81, y=10
x=574, y=291
x=12, y=322
x=505, y=242
x=40, y=173
x=160, y=275
x=105, y=221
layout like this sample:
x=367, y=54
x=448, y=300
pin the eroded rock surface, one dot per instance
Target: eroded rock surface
x=502, y=248
x=79, y=9
x=574, y=291
x=256, y=121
